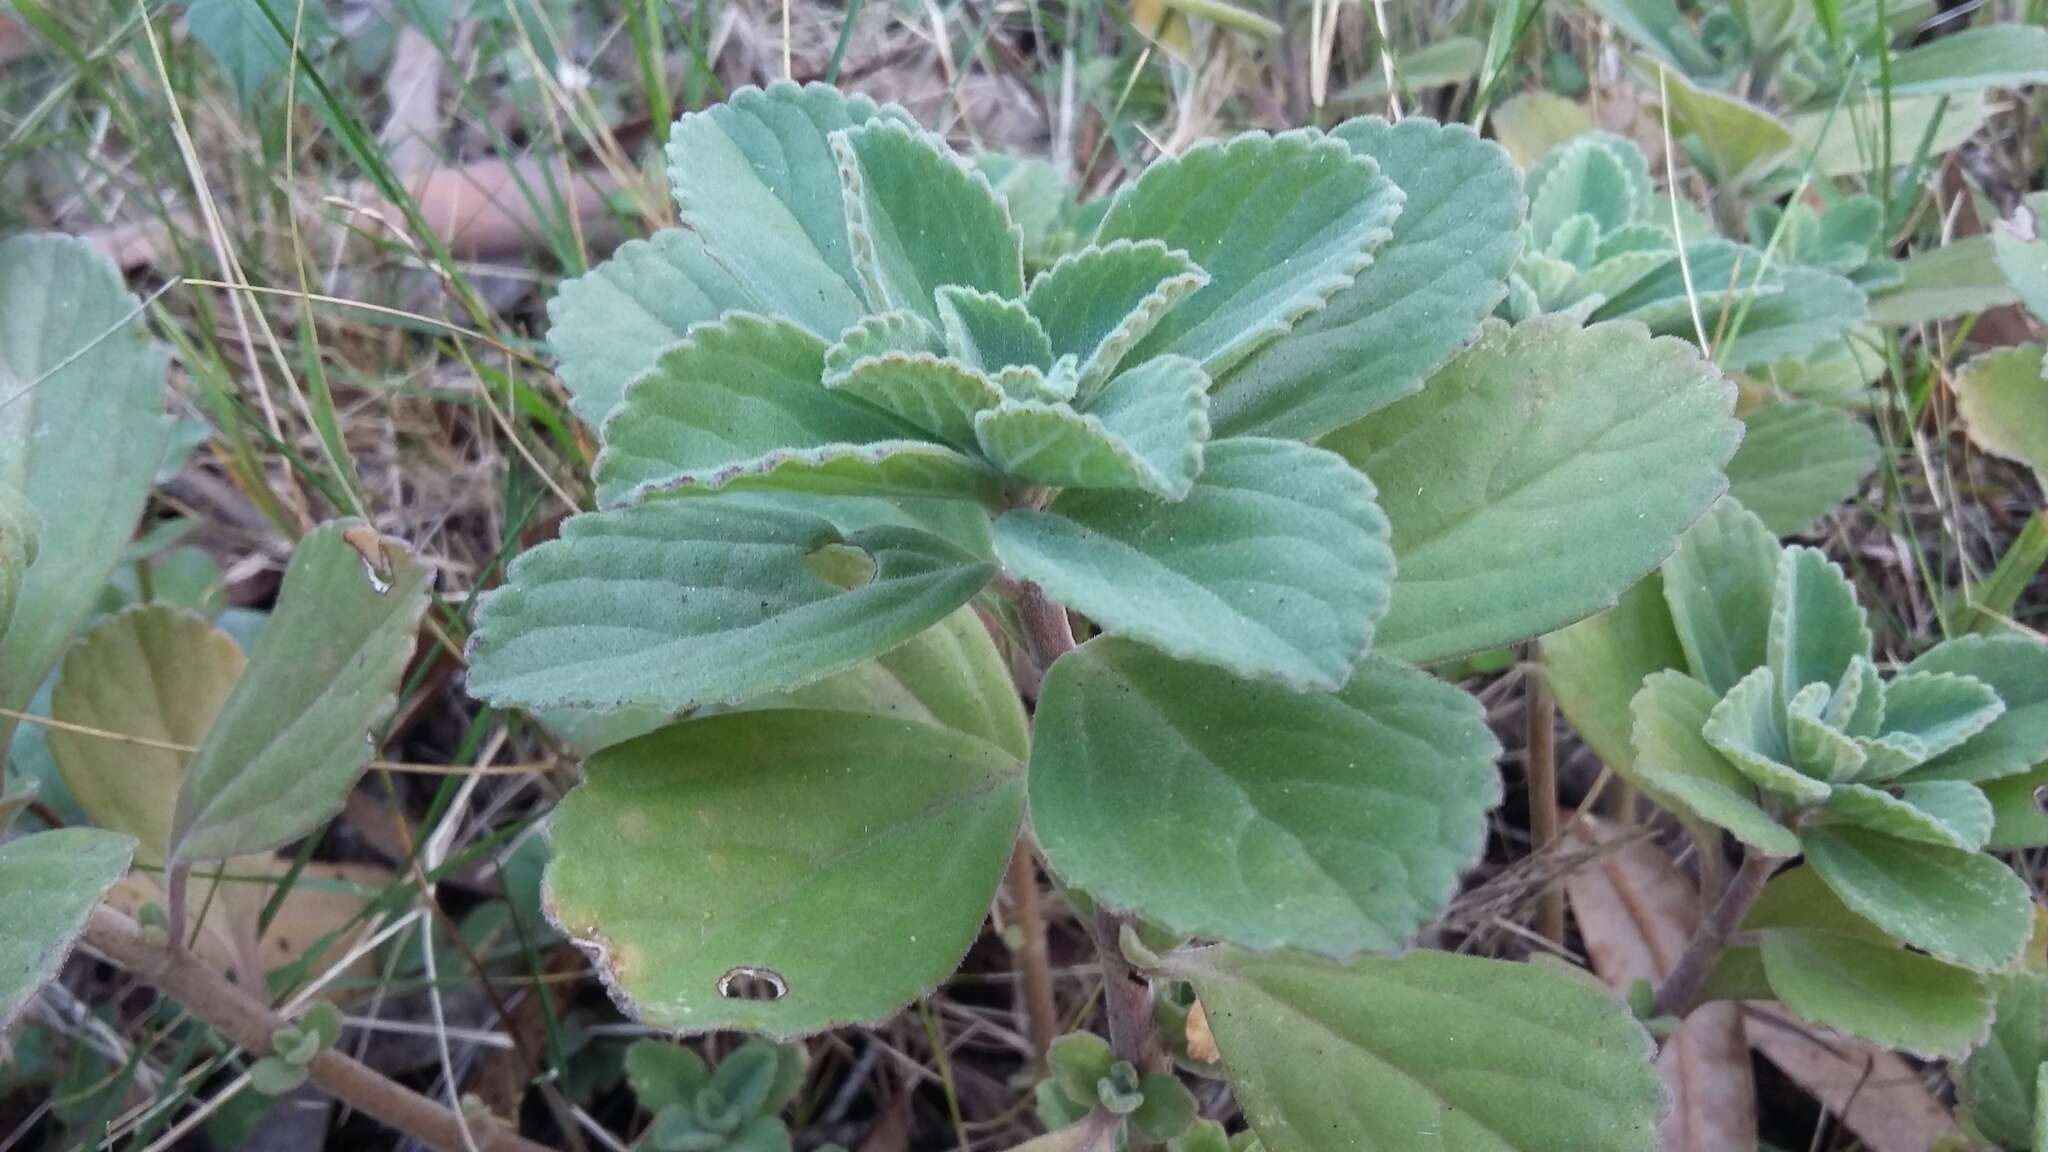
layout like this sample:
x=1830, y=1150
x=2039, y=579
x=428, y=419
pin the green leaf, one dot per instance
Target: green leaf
x=1275, y=565
x=1798, y=459
x=1877, y=991
x=1144, y=431
x=1849, y=141
x=1541, y=472
x=844, y=859
x=1279, y=223
x=1383, y=1050
x=2004, y=55
x=1958, y=906
x=2016, y=668
x=991, y=332
x=1926, y=714
x=663, y=1073
x=920, y=219
x=2019, y=810
x=2025, y=262
x=738, y=404
x=1813, y=310
x=1597, y=665
x=155, y=673
x=933, y=395
x=1745, y=727
x=1962, y=819
x=1955, y=279
x=1530, y=125
x=20, y=533
x=1097, y=303
x=2004, y=400
x=1819, y=749
x=1168, y=1110
x=757, y=179
x=1718, y=585
x=244, y=40
x=49, y=883
x=1999, y=1085
x=1817, y=628
x=1740, y=143
x=290, y=741
x=1240, y=811
x=1077, y=1061
x=685, y=603
x=1585, y=177
x=1674, y=759
x=1451, y=60
x=1423, y=297
x=950, y=675
x=82, y=428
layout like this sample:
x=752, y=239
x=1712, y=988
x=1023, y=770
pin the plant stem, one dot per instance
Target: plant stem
x=249, y=1023
x=1128, y=998
x=1539, y=764
x=1047, y=631
x=1039, y=1010
x=1680, y=990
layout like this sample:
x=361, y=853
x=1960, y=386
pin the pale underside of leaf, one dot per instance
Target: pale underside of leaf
x=936, y=396
x=1096, y=303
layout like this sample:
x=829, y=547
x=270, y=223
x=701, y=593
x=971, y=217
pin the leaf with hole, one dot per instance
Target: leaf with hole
x=839, y=866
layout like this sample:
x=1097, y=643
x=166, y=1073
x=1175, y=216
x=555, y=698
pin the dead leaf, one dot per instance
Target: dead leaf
x=1201, y=1041
x=1636, y=911
x=1891, y=1110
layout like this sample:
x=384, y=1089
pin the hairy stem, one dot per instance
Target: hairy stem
x=1039, y=1010
x=1680, y=990
x=249, y=1023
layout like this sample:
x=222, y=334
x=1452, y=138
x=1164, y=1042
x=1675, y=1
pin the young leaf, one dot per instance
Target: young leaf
x=155, y=673
x=1718, y=585
x=1960, y=818
x=301, y=723
x=1817, y=628
x=1585, y=178
x=680, y=604
x=1145, y=430
x=839, y=865
x=49, y=883
x=757, y=179
x=1926, y=714
x=1236, y=810
x=2016, y=668
x=936, y=396
x=1745, y=728
x=1877, y=990
x=1820, y=750
x=1275, y=565
x=1097, y=303
x=991, y=332
x=1958, y=906
x=1423, y=296
x=1504, y=479
x=1674, y=759
x=1998, y=1085
x=81, y=432
x=1383, y=1049
x=662, y=1073
x=738, y=404
x=2004, y=400
x=1279, y=223
x=1798, y=459
x=919, y=220
x=1740, y=144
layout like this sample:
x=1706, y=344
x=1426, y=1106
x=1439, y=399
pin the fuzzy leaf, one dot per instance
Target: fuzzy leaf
x=1959, y=906
x=1424, y=295
x=1327, y=823
x=1275, y=565
x=1999, y=1084
x=21, y=532
x=156, y=673
x=1798, y=459
x=1371, y=1054
x=1745, y=728
x=846, y=859
x=290, y=741
x=2004, y=400
x=1718, y=585
x=934, y=395
x=1813, y=310
x=49, y=883
x=1586, y=178
x=1841, y=142
x=2025, y=262
x=1817, y=628
x=1674, y=758
x=1144, y=431
x=2016, y=667
x=1961, y=817
x=1820, y=750
x=2006, y=55
x=991, y=332
x=919, y=219
x=757, y=179
x=1722, y=274
x=82, y=429
x=1877, y=990
x=1097, y=303
x=1597, y=665
x=1955, y=279
x=1740, y=143
x=2019, y=810
x=685, y=603
x=1926, y=714
x=1279, y=223
x=1503, y=479
x=739, y=405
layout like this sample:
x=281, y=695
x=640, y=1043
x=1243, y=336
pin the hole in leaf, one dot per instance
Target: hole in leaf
x=2041, y=799
x=745, y=983
x=841, y=565
x=376, y=564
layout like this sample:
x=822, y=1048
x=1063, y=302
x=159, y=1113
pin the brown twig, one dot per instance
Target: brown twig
x=1539, y=763
x=1681, y=990
x=247, y=1022
x=1040, y=1012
